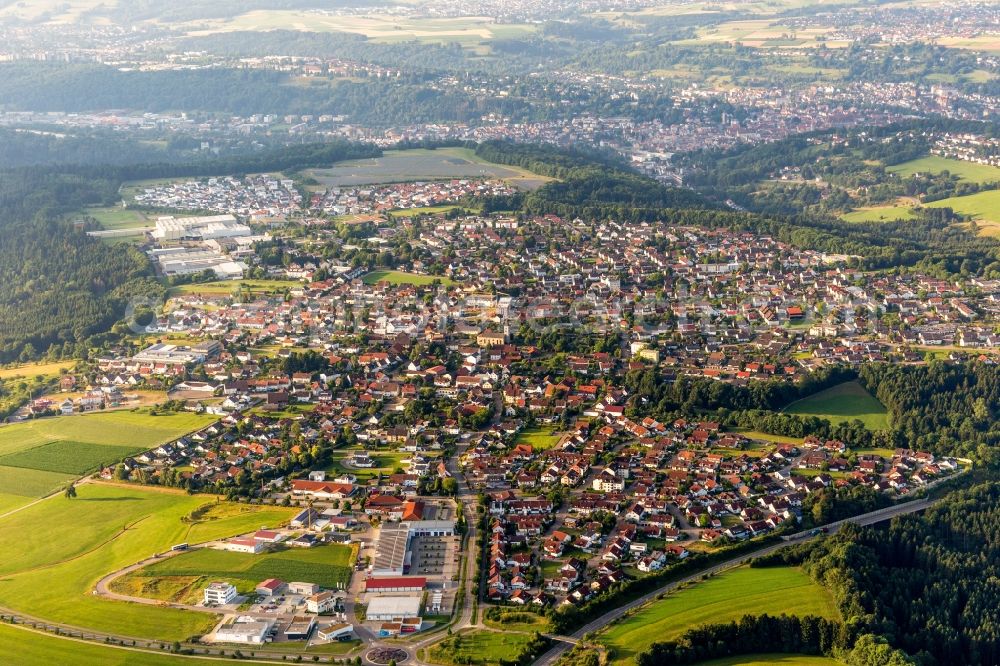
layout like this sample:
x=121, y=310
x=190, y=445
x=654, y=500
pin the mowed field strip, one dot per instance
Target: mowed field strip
x=843, y=402
x=59, y=548
x=722, y=598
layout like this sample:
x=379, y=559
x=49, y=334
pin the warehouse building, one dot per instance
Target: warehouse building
x=396, y=584
x=384, y=609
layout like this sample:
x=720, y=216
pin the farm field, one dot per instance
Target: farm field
x=761, y=33
x=776, y=659
x=30, y=648
x=105, y=528
x=122, y=428
x=35, y=369
x=880, y=214
x=400, y=277
x=41, y=456
x=328, y=566
x=966, y=171
x=844, y=402
x=67, y=456
x=397, y=166
x=721, y=598
x=539, y=438
x=481, y=647
x=10, y=501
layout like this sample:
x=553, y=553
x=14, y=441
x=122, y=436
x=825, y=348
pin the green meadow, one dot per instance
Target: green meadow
x=880, y=214
x=966, y=171
x=844, y=402
x=728, y=596
x=41, y=456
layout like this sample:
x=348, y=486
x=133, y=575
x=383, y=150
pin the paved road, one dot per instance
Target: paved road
x=563, y=644
x=103, y=587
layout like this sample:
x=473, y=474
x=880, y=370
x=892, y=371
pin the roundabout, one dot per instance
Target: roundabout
x=385, y=655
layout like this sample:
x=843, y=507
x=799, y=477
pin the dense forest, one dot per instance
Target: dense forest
x=943, y=408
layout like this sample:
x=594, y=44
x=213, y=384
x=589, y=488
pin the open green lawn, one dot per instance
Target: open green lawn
x=880, y=214
x=400, y=277
x=966, y=171
x=514, y=620
x=722, y=598
x=427, y=210
x=767, y=437
x=484, y=648
x=775, y=659
x=56, y=550
x=884, y=453
x=844, y=402
x=29, y=648
x=539, y=438
x=328, y=566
